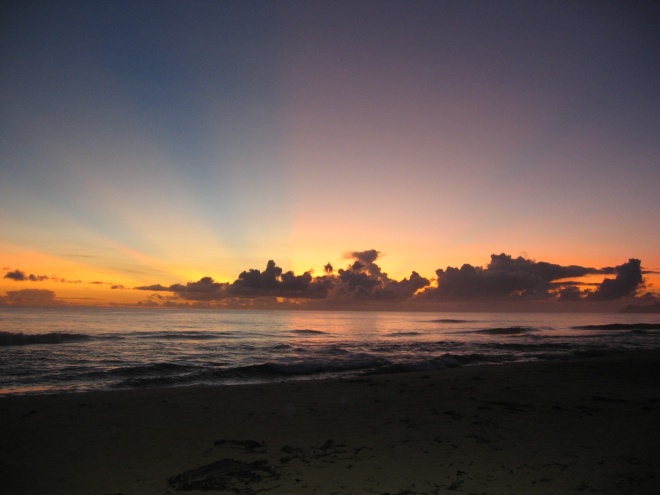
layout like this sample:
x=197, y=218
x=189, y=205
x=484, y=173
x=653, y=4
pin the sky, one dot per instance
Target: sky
x=159, y=144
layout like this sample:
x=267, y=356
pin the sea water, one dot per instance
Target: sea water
x=49, y=350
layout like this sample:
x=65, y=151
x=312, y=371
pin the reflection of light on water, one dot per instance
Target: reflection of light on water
x=150, y=348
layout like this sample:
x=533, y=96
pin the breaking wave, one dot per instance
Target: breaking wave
x=11, y=338
x=448, y=320
x=306, y=331
x=186, y=335
x=506, y=330
x=151, y=377
x=620, y=326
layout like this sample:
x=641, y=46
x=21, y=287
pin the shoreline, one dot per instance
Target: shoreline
x=564, y=426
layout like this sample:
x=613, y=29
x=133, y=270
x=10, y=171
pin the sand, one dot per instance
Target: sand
x=579, y=426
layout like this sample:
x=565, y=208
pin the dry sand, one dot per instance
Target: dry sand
x=580, y=426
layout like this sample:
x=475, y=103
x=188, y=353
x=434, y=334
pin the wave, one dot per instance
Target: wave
x=523, y=348
x=167, y=374
x=306, y=331
x=620, y=326
x=311, y=367
x=448, y=320
x=11, y=338
x=332, y=350
x=256, y=372
x=186, y=335
x=506, y=330
x=403, y=334
x=153, y=368
x=435, y=364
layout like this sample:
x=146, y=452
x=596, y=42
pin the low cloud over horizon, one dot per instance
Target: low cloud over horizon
x=30, y=297
x=362, y=280
x=504, y=279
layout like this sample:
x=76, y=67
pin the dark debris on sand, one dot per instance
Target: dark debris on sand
x=248, y=445
x=225, y=474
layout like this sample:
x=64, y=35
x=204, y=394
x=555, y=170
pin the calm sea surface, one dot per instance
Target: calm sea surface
x=79, y=349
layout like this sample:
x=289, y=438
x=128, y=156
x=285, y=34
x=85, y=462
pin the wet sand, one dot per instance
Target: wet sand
x=559, y=427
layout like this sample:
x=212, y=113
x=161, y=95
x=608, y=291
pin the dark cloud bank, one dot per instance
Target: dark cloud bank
x=362, y=283
x=504, y=279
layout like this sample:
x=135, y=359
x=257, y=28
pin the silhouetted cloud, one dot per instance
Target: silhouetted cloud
x=546, y=271
x=357, y=279
x=30, y=297
x=21, y=276
x=367, y=260
x=154, y=287
x=17, y=275
x=570, y=293
x=272, y=282
x=205, y=289
x=403, y=289
x=367, y=257
x=361, y=279
x=365, y=280
x=505, y=278
x=252, y=283
x=628, y=280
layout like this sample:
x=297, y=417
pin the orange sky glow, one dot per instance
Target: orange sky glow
x=162, y=148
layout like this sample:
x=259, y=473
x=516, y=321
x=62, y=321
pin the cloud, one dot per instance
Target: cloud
x=205, y=289
x=272, y=282
x=403, y=289
x=155, y=287
x=367, y=260
x=505, y=278
x=21, y=276
x=628, y=280
x=546, y=271
x=17, y=275
x=519, y=278
x=252, y=283
x=366, y=257
x=356, y=278
x=363, y=280
x=570, y=293
x=30, y=297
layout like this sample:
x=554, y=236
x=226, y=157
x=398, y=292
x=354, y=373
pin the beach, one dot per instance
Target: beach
x=562, y=426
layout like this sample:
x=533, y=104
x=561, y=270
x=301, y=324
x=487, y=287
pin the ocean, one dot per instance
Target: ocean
x=55, y=350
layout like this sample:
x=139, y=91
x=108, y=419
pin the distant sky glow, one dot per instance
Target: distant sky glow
x=147, y=142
